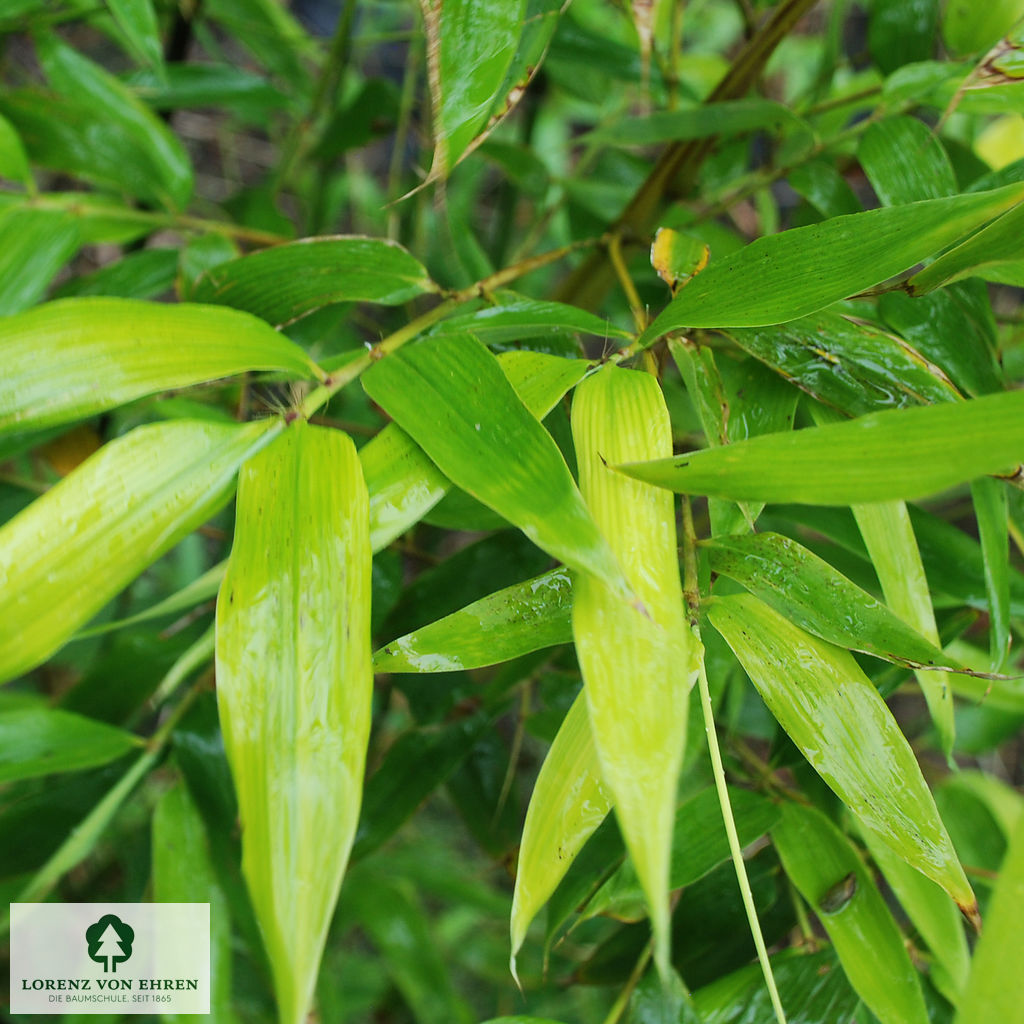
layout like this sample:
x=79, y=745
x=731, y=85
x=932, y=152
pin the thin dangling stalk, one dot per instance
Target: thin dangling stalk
x=692, y=592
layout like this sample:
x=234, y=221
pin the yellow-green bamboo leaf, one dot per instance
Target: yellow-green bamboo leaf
x=993, y=989
x=66, y=555
x=294, y=686
x=826, y=870
x=76, y=357
x=569, y=801
x=638, y=663
x=836, y=717
x=889, y=538
x=405, y=485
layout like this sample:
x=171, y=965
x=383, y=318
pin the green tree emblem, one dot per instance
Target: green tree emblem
x=110, y=942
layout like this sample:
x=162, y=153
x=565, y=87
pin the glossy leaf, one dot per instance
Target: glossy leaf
x=450, y=396
x=835, y=716
x=895, y=454
x=993, y=254
x=521, y=317
x=932, y=913
x=526, y=617
x=853, y=366
x=139, y=275
x=96, y=530
x=967, y=28
x=183, y=872
x=73, y=358
x=638, y=663
x=993, y=986
x=802, y=270
x=404, y=484
x=13, y=160
x=137, y=20
x=699, y=845
x=287, y=282
x=820, y=599
x=40, y=741
x=892, y=546
x=471, y=45
x=828, y=873
x=34, y=246
x=905, y=161
x=294, y=689
x=569, y=801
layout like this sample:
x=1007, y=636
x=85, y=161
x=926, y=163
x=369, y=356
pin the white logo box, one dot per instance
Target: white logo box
x=110, y=958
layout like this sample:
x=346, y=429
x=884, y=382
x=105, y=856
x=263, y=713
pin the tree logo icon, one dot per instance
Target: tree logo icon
x=110, y=942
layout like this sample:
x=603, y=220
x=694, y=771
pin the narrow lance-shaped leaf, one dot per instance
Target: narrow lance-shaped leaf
x=137, y=20
x=76, y=357
x=993, y=989
x=287, y=282
x=526, y=617
x=41, y=741
x=826, y=870
x=34, y=246
x=802, y=270
x=95, y=531
x=889, y=538
x=294, y=686
x=470, y=46
x=404, y=484
x=569, y=801
x=638, y=664
x=833, y=713
x=991, y=512
x=820, y=599
x=896, y=454
x=450, y=396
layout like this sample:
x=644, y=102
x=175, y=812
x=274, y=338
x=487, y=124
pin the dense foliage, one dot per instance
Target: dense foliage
x=353, y=363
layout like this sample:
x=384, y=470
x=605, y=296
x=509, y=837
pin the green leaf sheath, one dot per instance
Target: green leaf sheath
x=287, y=282
x=830, y=876
x=797, y=272
x=638, y=662
x=450, y=396
x=66, y=555
x=569, y=801
x=896, y=454
x=73, y=358
x=294, y=686
x=835, y=716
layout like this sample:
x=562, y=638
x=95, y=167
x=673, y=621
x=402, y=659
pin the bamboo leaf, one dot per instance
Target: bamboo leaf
x=405, y=485
x=294, y=689
x=896, y=454
x=137, y=20
x=852, y=366
x=993, y=987
x=833, y=713
x=905, y=161
x=933, y=915
x=75, y=547
x=818, y=598
x=287, y=282
x=993, y=254
x=13, y=160
x=34, y=246
x=802, y=270
x=638, y=664
x=450, y=396
x=830, y=876
x=991, y=511
x=569, y=801
x=73, y=358
x=40, y=741
x=471, y=45
x=889, y=538
x=517, y=620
